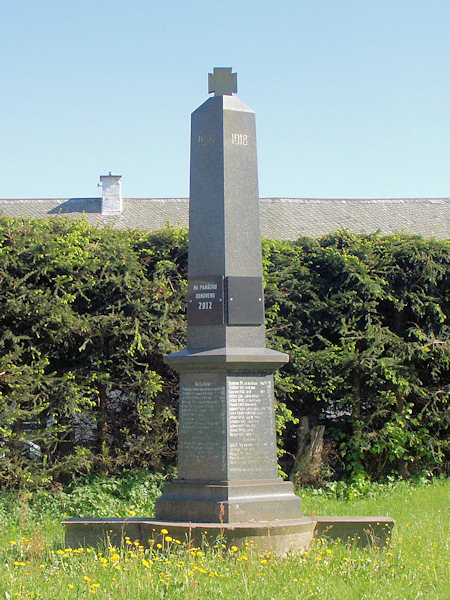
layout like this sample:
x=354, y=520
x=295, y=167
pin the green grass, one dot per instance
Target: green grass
x=36, y=565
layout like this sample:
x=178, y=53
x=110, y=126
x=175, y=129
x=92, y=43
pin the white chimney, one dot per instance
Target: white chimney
x=111, y=194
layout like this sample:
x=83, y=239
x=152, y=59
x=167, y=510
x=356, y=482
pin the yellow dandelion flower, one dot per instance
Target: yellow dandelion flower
x=168, y=538
x=71, y=586
x=146, y=563
x=164, y=531
x=115, y=557
x=234, y=549
x=199, y=553
x=13, y=542
x=159, y=546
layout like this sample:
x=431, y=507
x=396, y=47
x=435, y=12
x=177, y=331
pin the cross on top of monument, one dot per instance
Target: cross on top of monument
x=222, y=81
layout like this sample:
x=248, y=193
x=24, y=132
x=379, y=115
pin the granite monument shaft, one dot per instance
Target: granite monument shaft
x=227, y=460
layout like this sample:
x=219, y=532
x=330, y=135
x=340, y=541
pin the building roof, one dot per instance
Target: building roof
x=281, y=218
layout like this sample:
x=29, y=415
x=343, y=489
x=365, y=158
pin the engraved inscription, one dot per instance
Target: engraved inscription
x=251, y=427
x=199, y=293
x=239, y=139
x=202, y=436
x=205, y=301
x=205, y=305
x=206, y=140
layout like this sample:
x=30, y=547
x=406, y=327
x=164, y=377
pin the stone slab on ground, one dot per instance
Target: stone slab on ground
x=279, y=537
x=359, y=531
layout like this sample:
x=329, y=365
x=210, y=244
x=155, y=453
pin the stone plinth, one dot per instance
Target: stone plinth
x=280, y=537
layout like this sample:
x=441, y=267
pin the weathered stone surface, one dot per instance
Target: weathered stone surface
x=229, y=502
x=278, y=537
x=359, y=531
x=224, y=228
x=227, y=427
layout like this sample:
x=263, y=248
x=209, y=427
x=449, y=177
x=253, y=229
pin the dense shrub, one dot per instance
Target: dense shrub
x=364, y=319
x=86, y=315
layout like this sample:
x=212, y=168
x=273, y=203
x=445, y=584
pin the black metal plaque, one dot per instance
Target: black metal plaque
x=205, y=301
x=245, y=301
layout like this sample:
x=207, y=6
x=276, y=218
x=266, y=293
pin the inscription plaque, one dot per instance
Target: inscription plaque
x=205, y=301
x=202, y=409
x=251, y=427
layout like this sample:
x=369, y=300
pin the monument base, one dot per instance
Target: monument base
x=279, y=537
x=228, y=501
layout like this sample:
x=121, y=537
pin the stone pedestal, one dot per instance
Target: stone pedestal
x=228, y=473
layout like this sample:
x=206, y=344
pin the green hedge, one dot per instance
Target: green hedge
x=86, y=315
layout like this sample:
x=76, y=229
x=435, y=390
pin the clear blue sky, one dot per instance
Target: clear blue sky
x=352, y=97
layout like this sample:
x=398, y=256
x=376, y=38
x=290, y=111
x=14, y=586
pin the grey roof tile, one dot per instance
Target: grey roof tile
x=283, y=218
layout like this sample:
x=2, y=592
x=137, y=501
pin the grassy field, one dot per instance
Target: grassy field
x=35, y=563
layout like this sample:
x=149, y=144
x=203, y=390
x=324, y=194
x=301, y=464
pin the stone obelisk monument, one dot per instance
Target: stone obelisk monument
x=227, y=463
x=227, y=460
